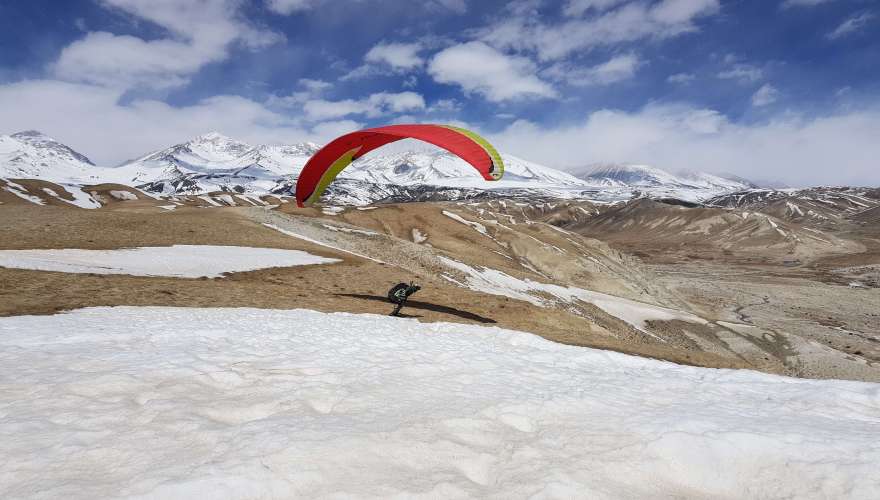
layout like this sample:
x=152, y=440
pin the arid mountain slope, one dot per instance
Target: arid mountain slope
x=497, y=261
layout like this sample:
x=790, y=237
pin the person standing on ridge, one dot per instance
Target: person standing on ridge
x=399, y=293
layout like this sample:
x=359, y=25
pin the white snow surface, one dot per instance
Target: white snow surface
x=180, y=261
x=80, y=197
x=123, y=195
x=32, y=155
x=246, y=403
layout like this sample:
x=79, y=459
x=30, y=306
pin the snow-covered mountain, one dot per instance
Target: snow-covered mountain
x=658, y=183
x=214, y=162
x=445, y=169
x=33, y=155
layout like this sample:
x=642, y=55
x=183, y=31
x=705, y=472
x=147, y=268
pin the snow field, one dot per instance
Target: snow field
x=179, y=261
x=244, y=403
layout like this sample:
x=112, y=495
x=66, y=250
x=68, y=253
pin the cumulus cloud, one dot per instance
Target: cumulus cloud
x=91, y=119
x=852, y=25
x=765, y=95
x=743, y=73
x=375, y=105
x=629, y=22
x=201, y=33
x=839, y=148
x=388, y=58
x=617, y=69
x=403, y=56
x=478, y=68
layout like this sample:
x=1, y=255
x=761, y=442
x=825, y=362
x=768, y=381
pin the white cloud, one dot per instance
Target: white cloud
x=478, y=68
x=91, y=119
x=576, y=8
x=388, y=58
x=401, y=56
x=287, y=7
x=839, y=148
x=410, y=82
x=681, y=78
x=309, y=89
x=331, y=129
x=444, y=106
x=802, y=3
x=743, y=73
x=852, y=25
x=616, y=69
x=315, y=85
x=765, y=95
x=200, y=33
x=629, y=22
x=378, y=104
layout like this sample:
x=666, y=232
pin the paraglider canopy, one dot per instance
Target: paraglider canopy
x=326, y=164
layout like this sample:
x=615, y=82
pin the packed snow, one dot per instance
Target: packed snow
x=180, y=261
x=123, y=195
x=246, y=403
x=80, y=197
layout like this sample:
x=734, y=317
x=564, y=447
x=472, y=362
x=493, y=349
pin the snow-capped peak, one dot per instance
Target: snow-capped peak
x=440, y=168
x=33, y=155
x=656, y=182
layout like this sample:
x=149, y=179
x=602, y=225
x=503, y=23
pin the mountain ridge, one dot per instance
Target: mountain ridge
x=215, y=162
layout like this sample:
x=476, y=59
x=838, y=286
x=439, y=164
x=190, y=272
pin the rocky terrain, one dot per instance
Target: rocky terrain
x=782, y=281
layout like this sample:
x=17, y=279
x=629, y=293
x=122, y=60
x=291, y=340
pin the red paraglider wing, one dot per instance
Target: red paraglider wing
x=326, y=164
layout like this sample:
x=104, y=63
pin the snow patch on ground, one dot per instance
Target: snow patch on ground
x=179, y=261
x=80, y=197
x=123, y=195
x=316, y=242
x=418, y=236
x=635, y=313
x=476, y=225
x=340, y=229
x=247, y=403
x=209, y=200
x=227, y=199
x=21, y=192
x=332, y=210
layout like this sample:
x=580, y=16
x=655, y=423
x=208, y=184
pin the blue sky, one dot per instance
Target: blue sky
x=784, y=90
